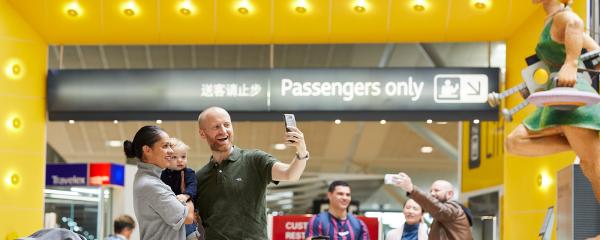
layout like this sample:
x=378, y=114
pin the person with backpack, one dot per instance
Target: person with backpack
x=337, y=222
x=451, y=220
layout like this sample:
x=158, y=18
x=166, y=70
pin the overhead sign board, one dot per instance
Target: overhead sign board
x=403, y=93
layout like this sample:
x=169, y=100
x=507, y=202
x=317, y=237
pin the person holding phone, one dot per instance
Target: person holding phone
x=232, y=185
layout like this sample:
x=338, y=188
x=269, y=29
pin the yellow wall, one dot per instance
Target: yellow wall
x=490, y=171
x=22, y=150
x=525, y=203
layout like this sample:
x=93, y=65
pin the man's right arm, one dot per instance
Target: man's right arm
x=440, y=211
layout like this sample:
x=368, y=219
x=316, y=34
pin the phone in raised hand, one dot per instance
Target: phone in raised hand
x=389, y=178
x=290, y=121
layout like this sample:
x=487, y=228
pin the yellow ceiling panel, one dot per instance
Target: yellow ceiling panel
x=178, y=26
x=519, y=11
x=471, y=23
x=79, y=21
x=297, y=26
x=272, y=21
x=27, y=12
x=140, y=27
x=351, y=26
x=427, y=25
x=234, y=27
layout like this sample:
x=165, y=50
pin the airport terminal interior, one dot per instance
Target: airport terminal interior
x=413, y=77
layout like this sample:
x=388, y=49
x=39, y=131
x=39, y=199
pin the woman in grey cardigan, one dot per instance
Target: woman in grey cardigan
x=159, y=213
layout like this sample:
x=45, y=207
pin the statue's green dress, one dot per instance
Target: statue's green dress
x=553, y=54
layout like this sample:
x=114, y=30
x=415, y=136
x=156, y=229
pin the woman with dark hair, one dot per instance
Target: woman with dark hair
x=159, y=213
x=414, y=228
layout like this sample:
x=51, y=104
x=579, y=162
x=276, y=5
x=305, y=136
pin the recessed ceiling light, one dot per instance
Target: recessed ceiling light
x=337, y=121
x=480, y=4
x=130, y=8
x=116, y=121
x=73, y=9
x=114, y=143
x=476, y=121
x=427, y=149
x=429, y=121
x=419, y=5
x=71, y=121
x=244, y=7
x=159, y=121
x=279, y=146
x=360, y=6
x=186, y=7
x=301, y=6
x=16, y=123
x=441, y=123
x=383, y=121
x=14, y=70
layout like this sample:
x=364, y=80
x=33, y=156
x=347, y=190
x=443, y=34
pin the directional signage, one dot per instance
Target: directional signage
x=394, y=93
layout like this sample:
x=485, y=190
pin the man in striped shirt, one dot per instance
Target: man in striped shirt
x=337, y=223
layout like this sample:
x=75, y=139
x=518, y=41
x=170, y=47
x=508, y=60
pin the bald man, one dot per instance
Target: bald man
x=232, y=186
x=449, y=219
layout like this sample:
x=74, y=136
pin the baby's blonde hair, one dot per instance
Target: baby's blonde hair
x=178, y=144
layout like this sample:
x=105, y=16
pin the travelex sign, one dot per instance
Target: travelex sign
x=423, y=90
x=85, y=174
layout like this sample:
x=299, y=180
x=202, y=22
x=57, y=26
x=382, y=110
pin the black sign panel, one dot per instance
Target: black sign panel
x=474, y=145
x=322, y=94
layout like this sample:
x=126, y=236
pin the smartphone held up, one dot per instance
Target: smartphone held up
x=290, y=121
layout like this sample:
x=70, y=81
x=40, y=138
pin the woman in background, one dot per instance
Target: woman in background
x=414, y=228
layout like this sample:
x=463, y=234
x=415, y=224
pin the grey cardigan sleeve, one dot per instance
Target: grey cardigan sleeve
x=164, y=202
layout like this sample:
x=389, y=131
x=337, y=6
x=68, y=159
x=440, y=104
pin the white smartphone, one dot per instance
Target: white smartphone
x=389, y=178
x=290, y=121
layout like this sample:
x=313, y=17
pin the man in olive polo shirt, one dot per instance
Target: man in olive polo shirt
x=232, y=186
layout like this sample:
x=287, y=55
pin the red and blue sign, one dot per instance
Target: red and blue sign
x=86, y=174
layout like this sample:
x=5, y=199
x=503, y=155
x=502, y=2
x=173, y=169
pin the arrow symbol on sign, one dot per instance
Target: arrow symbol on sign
x=474, y=90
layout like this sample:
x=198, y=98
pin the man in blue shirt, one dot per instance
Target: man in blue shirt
x=337, y=223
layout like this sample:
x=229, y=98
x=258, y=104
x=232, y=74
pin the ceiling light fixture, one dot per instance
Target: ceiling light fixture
x=337, y=121
x=16, y=123
x=476, y=121
x=301, y=6
x=114, y=143
x=383, y=121
x=244, y=7
x=480, y=4
x=130, y=9
x=360, y=6
x=14, y=69
x=73, y=9
x=71, y=121
x=159, y=121
x=427, y=149
x=12, y=179
x=429, y=121
x=116, y=121
x=279, y=146
x=186, y=7
x=419, y=5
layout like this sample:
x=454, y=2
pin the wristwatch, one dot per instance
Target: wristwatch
x=303, y=158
